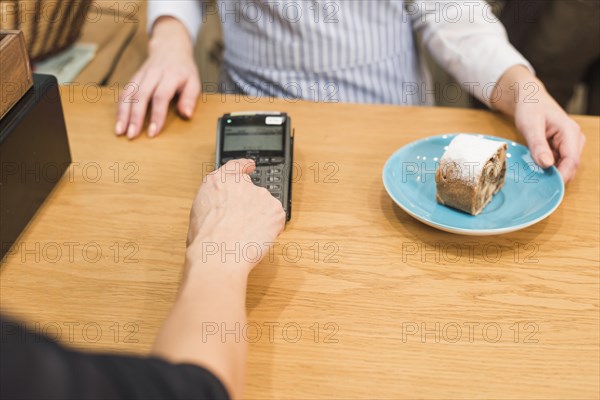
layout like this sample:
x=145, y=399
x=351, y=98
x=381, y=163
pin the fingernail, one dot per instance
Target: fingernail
x=188, y=112
x=546, y=160
x=119, y=128
x=152, y=130
x=131, y=131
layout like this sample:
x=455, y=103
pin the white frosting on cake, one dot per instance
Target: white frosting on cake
x=469, y=154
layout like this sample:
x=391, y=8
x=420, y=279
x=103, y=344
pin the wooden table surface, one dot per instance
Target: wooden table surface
x=359, y=301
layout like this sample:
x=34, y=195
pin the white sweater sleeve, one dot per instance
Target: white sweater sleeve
x=189, y=12
x=466, y=39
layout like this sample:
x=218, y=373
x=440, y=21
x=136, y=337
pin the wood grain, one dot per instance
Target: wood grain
x=15, y=71
x=517, y=314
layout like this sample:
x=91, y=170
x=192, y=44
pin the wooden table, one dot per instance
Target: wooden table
x=360, y=301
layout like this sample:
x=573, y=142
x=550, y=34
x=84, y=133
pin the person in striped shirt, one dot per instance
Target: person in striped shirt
x=359, y=51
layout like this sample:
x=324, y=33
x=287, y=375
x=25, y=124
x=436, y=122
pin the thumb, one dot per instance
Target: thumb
x=534, y=132
x=241, y=165
x=248, y=166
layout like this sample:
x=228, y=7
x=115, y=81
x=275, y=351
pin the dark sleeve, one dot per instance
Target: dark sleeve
x=32, y=367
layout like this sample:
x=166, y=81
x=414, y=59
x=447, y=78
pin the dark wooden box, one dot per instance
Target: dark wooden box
x=34, y=154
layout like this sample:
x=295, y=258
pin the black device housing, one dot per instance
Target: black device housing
x=34, y=153
x=268, y=162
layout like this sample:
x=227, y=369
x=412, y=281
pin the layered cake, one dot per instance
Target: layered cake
x=470, y=173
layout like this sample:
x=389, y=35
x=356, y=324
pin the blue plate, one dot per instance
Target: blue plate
x=529, y=195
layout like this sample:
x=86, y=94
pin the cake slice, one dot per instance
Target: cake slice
x=470, y=173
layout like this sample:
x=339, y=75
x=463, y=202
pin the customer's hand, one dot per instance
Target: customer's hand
x=553, y=137
x=169, y=70
x=233, y=222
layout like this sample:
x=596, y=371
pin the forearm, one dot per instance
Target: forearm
x=170, y=34
x=517, y=85
x=211, y=300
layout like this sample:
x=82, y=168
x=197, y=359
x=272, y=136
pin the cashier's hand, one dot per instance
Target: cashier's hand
x=552, y=136
x=169, y=70
x=232, y=222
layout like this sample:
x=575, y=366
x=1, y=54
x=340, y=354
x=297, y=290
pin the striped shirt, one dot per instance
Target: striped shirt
x=360, y=51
